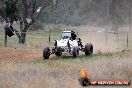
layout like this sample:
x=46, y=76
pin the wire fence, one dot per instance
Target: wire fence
x=36, y=41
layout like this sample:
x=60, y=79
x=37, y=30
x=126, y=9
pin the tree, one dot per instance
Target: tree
x=24, y=11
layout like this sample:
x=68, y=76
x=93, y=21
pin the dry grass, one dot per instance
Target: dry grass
x=64, y=73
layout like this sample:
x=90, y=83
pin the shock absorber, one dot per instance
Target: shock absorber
x=68, y=44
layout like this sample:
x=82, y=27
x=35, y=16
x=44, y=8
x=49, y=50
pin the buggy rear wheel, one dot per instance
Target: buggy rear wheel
x=46, y=53
x=58, y=51
x=75, y=52
x=88, y=49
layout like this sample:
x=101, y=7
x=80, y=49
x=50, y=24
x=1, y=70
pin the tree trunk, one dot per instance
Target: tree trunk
x=22, y=38
x=5, y=40
x=23, y=32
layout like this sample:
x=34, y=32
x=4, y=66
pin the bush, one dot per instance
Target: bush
x=37, y=26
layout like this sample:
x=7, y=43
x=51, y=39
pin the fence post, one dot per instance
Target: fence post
x=49, y=36
x=5, y=40
x=127, y=40
x=107, y=20
x=77, y=33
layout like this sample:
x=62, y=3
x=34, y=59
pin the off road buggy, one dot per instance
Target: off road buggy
x=68, y=43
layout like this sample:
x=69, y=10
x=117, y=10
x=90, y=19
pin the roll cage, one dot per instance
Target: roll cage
x=68, y=34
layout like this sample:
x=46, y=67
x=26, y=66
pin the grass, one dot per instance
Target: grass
x=64, y=72
x=35, y=39
x=83, y=58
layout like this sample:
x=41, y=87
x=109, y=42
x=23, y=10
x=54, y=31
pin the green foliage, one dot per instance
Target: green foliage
x=11, y=10
x=76, y=12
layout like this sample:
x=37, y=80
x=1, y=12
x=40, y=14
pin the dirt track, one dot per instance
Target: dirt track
x=13, y=54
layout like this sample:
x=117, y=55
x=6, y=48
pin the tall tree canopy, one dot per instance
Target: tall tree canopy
x=24, y=11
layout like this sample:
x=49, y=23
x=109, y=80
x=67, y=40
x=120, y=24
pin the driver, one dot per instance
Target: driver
x=73, y=35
